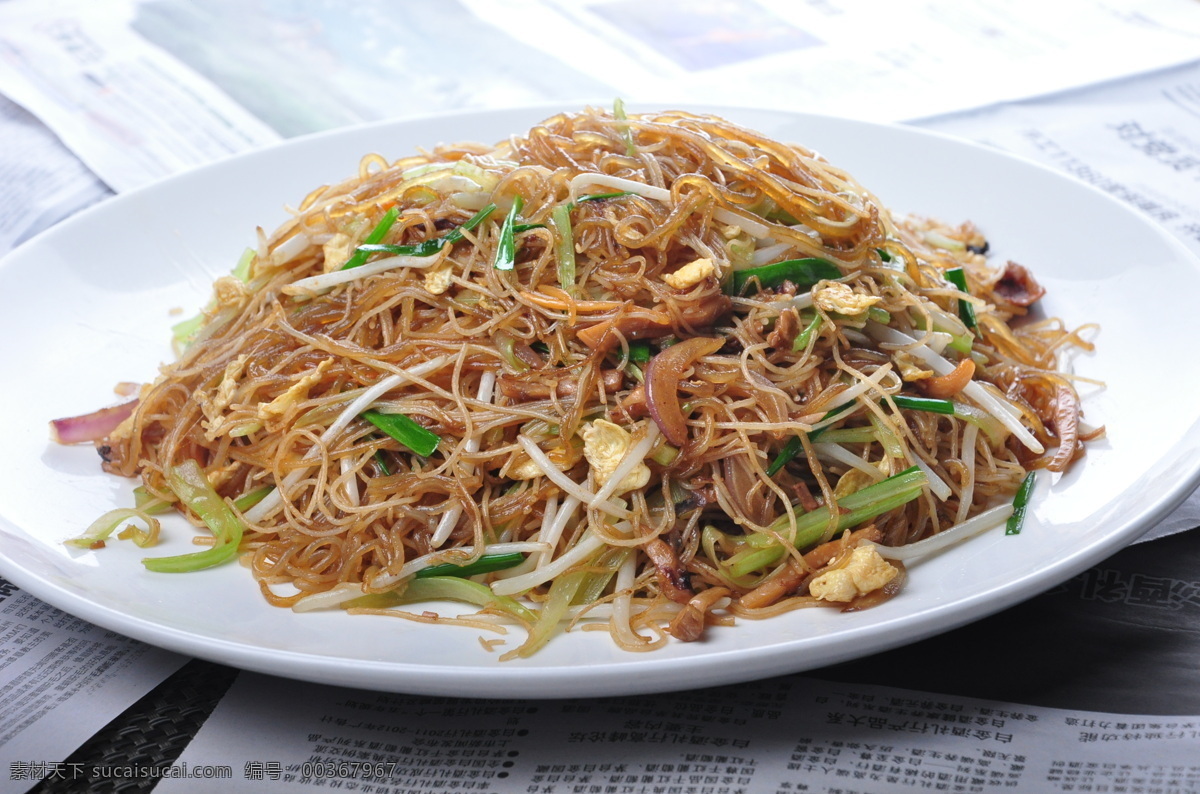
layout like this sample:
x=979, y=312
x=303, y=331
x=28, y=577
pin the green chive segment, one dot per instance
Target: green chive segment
x=790, y=450
x=966, y=311
x=1020, y=501
x=359, y=257
x=426, y=247
x=506, y=248
x=802, y=272
x=929, y=404
x=485, y=564
x=405, y=430
x=560, y=220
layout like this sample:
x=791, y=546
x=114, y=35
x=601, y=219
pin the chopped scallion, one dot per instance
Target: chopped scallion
x=853, y=509
x=251, y=498
x=445, y=588
x=639, y=352
x=623, y=126
x=841, y=409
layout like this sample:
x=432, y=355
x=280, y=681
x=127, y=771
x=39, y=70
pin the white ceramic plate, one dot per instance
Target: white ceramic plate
x=88, y=305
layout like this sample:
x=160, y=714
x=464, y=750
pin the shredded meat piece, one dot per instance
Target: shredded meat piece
x=688, y=625
x=526, y=389
x=785, y=330
x=1018, y=286
x=674, y=582
x=642, y=323
x=943, y=387
x=807, y=500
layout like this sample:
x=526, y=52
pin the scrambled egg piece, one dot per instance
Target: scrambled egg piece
x=521, y=467
x=270, y=413
x=438, y=279
x=834, y=296
x=910, y=366
x=525, y=470
x=230, y=291
x=865, y=572
x=604, y=444
x=338, y=251
x=212, y=407
x=691, y=274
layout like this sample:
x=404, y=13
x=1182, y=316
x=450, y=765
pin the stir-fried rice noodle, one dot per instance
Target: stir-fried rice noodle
x=611, y=378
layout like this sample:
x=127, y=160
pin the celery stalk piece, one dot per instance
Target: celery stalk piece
x=860, y=506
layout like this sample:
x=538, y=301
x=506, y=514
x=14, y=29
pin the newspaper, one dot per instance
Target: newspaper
x=128, y=109
x=1137, y=139
x=139, y=90
x=878, y=61
x=779, y=736
x=43, y=182
x=61, y=680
